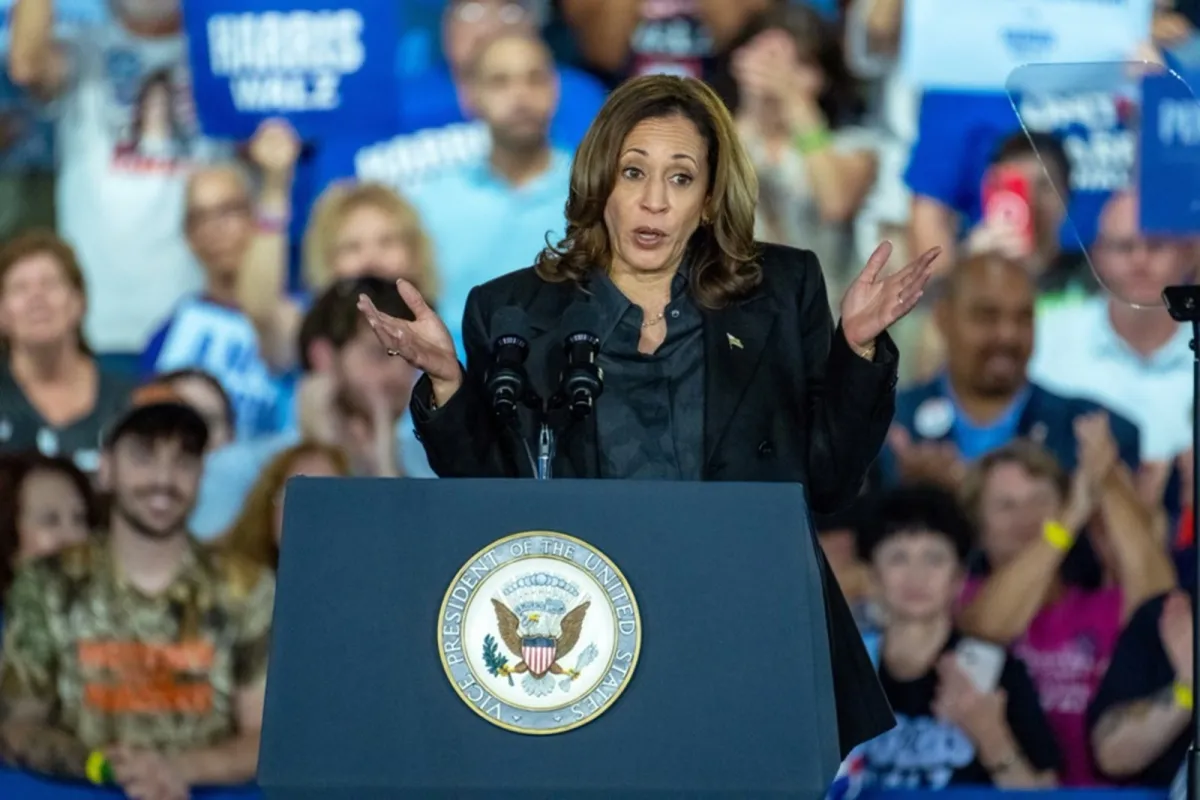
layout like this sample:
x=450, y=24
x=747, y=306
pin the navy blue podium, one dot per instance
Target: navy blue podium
x=732, y=693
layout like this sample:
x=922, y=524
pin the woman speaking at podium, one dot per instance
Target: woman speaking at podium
x=720, y=357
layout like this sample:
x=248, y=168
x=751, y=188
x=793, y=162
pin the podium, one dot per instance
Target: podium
x=730, y=695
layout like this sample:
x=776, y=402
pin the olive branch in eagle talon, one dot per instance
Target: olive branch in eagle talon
x=570, y=629
x=494, y=660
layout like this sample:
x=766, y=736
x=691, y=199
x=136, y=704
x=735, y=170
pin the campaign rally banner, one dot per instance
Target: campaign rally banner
x=973, y=45
x=324, y=65
x=1169, y=157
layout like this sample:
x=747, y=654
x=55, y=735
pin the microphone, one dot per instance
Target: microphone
x=506, y=382
x=582, y=378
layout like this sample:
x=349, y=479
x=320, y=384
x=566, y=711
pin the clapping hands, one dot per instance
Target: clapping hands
x=937, y=463
x=768, y=67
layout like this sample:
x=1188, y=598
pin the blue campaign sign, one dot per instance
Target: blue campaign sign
x=1169, y=157
x=321, y=64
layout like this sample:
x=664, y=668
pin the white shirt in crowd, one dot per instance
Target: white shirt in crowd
x=896, y=105
x=787, y=207
x=127, y=138
x=1078, y=353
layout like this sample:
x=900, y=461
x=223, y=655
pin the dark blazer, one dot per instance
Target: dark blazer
x=785, y=400
x=1047, y=417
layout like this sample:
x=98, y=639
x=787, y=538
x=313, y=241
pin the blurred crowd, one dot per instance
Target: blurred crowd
x=180, y=336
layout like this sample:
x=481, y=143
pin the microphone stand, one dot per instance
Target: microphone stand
x=1183, y=304
x=545, y=456
x=1193, y=756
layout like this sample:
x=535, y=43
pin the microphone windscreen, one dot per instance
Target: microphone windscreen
x=581, y=317
x=510, y=321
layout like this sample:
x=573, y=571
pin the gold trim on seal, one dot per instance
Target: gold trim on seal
x=632, y=601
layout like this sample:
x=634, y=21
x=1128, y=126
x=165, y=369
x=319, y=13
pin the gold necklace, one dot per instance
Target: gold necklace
x=654, y=321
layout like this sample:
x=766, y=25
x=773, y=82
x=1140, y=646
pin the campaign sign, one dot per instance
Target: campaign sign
x=1169, y=157
x=321, y=64
x=973, y=45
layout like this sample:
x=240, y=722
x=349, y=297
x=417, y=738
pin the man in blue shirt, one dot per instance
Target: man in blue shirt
x=984, y=399
x=493, y=217
x=438, y=129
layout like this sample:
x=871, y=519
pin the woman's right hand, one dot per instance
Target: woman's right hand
x=275, y=149
x=424, y=341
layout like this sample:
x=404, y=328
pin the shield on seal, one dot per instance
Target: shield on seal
x=538, y=653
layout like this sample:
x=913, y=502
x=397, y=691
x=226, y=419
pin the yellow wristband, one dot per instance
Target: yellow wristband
x=1058, y=536
x=97, y=768
x=812, y=141
x=1184, y=697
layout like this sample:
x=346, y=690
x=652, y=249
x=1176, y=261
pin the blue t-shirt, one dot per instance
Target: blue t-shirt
x=959, y=132
x=221, y=341
x=973, y=440
x=509, y=227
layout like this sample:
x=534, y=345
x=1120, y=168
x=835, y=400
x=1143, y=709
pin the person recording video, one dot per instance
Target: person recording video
x=698, y=353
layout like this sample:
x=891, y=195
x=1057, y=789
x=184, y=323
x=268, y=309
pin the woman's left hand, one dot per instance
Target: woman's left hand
x=873, y=302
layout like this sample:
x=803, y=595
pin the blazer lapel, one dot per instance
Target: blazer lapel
x=734, y=338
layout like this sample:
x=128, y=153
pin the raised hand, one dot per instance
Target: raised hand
x=1096, y=446
x=874, y=302
x=998, y=237
x=423, y=341
x=275, y=148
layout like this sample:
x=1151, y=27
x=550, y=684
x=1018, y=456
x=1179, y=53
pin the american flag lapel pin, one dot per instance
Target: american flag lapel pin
x=734, y=342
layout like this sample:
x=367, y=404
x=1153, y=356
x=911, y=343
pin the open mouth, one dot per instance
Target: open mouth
x=649, y=237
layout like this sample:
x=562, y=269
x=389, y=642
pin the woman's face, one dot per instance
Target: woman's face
x=919, y=576
x=370, y=242
x=38, y=305
x=208, y=403
x=658, y=197
x=314, y=465
x=1013, y=506
x=53, y=515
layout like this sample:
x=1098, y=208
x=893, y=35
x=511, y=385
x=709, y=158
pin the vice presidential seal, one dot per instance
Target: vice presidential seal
x=539, y=633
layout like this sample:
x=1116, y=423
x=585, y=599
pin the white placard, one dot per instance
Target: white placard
x=975, y=44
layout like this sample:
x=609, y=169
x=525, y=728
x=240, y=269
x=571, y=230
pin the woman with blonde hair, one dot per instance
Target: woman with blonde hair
x=720, y=357
x=257, y=533
x=355, y=229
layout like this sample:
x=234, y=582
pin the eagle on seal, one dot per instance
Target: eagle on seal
x=540, y=639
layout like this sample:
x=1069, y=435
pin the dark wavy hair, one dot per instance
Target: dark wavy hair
x=14, y=470
x=817, y=41
x=722, y=252
x=911, y=509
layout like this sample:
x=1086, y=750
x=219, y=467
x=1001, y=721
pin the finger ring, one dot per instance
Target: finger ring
x=392, y=352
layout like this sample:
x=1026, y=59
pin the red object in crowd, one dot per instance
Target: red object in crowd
x=1183, y=534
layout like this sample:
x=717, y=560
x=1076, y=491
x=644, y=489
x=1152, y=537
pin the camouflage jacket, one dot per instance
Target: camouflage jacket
x=118, y=666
